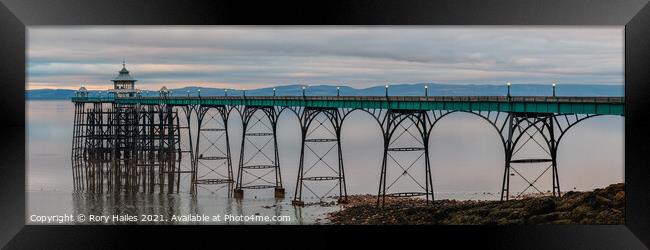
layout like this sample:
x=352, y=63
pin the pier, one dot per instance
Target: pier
x=134, y=134
x=130, y=143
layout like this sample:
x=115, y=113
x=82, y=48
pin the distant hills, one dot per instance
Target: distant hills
x=394, y=90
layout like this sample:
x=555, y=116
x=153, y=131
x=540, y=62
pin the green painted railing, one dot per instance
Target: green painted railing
x=529, y=104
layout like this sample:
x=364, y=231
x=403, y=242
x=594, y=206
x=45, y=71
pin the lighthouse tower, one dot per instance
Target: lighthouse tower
x=124, y=84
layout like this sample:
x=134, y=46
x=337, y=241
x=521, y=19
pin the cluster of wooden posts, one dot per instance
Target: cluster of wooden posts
x=126, y=148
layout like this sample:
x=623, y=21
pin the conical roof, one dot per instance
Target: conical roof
x=124, y=75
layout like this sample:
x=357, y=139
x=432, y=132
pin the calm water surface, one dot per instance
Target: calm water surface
x=466, y=159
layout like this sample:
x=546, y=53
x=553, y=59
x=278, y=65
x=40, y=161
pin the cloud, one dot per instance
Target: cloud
x=251, y=56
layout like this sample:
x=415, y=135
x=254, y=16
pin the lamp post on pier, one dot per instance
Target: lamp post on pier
x=554, y=87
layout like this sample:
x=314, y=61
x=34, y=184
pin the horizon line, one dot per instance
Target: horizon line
x=380, y=85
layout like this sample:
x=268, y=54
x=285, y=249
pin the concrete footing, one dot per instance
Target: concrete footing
x=297, y=203
x=279, y=192
x=238, y=193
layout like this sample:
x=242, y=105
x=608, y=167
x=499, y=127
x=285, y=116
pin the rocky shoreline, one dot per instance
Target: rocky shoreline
x=600, y=206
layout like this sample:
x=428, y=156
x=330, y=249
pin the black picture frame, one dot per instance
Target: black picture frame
x=17, y=15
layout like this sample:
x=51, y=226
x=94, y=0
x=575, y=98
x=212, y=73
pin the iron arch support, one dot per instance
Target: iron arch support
x=493, y=123
x=379, y=115
x=563, y=131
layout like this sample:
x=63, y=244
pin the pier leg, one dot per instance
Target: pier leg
x=405, y=137
x=320, y=135
x=256, y=163
x=530, y=129
x=213, y=159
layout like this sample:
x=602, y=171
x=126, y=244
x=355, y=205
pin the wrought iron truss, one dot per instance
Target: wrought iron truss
x=261, y=162
x=213, y=162
x=517, y=130
x=321, y=139
x=406, y=150
x=545, y=131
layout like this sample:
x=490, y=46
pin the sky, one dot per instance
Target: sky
x=357, y=56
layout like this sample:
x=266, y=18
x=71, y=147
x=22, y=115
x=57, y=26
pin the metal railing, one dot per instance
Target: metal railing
x=547, y=99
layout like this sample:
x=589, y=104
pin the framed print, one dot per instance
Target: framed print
x=521, y=124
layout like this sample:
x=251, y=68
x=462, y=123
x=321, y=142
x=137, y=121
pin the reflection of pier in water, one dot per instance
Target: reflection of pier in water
x=167, y=205
x=133, y=144
x=136, y=204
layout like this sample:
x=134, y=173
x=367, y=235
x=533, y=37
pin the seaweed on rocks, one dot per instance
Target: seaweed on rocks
x=600, y=206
